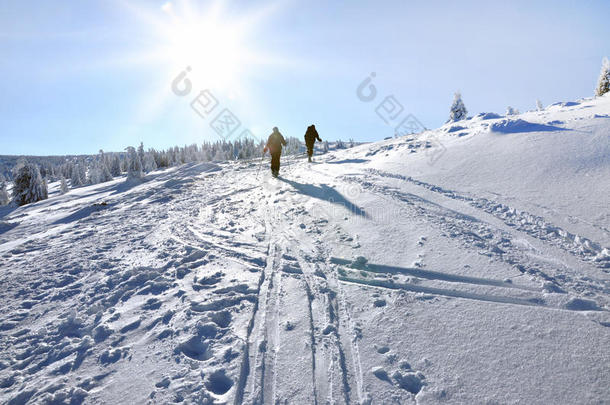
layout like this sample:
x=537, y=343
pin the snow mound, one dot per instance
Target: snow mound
x=509, y=126
x=488, y=116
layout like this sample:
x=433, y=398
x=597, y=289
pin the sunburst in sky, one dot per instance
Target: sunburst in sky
x=220, y=49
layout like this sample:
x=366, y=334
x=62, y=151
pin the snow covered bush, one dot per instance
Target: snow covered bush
x=325, y=147
x=511, y=111
x=539, y=106
x=63, y=185
x=28, y=184
x=134, y=165
x=340, y=144
x=603, y=83
x=458, y=110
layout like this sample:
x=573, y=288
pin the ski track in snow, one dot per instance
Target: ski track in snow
x=523, y=221
x=497, y=243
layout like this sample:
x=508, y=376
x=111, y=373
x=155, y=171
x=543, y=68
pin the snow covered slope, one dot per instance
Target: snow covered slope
x=469, y=264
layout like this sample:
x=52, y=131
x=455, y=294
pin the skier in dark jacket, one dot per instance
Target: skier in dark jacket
x=310, y=138
x=274, y=146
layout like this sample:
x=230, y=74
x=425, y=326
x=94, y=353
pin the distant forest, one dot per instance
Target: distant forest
x=53, y=168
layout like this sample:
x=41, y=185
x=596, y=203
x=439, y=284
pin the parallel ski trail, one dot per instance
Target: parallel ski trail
x=307, y=282
x=317, y=322
x=344, y=338
x=263, y=379
x=264, y=383
x=329, y=359
x=272, y=331
x=336, y=355
x=286, y=324
x=250, y=349
x=328, y=345
x=251, y=385
x=353, y=341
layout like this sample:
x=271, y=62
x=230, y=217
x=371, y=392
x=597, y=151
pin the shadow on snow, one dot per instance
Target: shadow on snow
x=326, y=193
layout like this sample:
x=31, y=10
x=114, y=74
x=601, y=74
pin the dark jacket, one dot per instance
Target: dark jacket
x=311, y=135
x=275, y=142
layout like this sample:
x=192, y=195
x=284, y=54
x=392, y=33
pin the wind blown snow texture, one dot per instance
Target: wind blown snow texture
x=469, y=264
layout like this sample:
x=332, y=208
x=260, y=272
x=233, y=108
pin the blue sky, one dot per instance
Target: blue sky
x=79, y=76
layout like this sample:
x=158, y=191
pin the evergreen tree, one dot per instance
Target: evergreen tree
x=4, y=197
x=68, y=170
x=124, y=165
x=102, y=168
x=134, y=165
x=149, y=162
x=325, y=147
x=293, y=145
x=45, y=189
x=105, y=172
x=539, y=106
x=94, y=176
x=63, y=185
x=141, y=152
x=603, y=83
x=458, y=110
x=28, y=185
x=511, y=111
x=99, y=173
x=79, y=177
x=115, y=166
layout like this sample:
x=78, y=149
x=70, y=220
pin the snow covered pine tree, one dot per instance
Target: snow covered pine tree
x=149, y=162
x=28, y=184
x=101, y=166
x=458, y=110
x=115, y=166
x=603, y=83
x=79, y=175
x=63, y=185
x=134, y=165
x=141, y=152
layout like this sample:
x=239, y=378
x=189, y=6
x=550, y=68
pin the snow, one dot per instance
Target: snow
x=468, y=264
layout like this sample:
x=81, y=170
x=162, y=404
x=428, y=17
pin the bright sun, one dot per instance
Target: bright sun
x=217, y=45
x=212, y=46
x=220, y=44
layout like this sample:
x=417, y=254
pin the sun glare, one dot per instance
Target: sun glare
x=222, y=48
x=218, y=45
x=214, y=48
